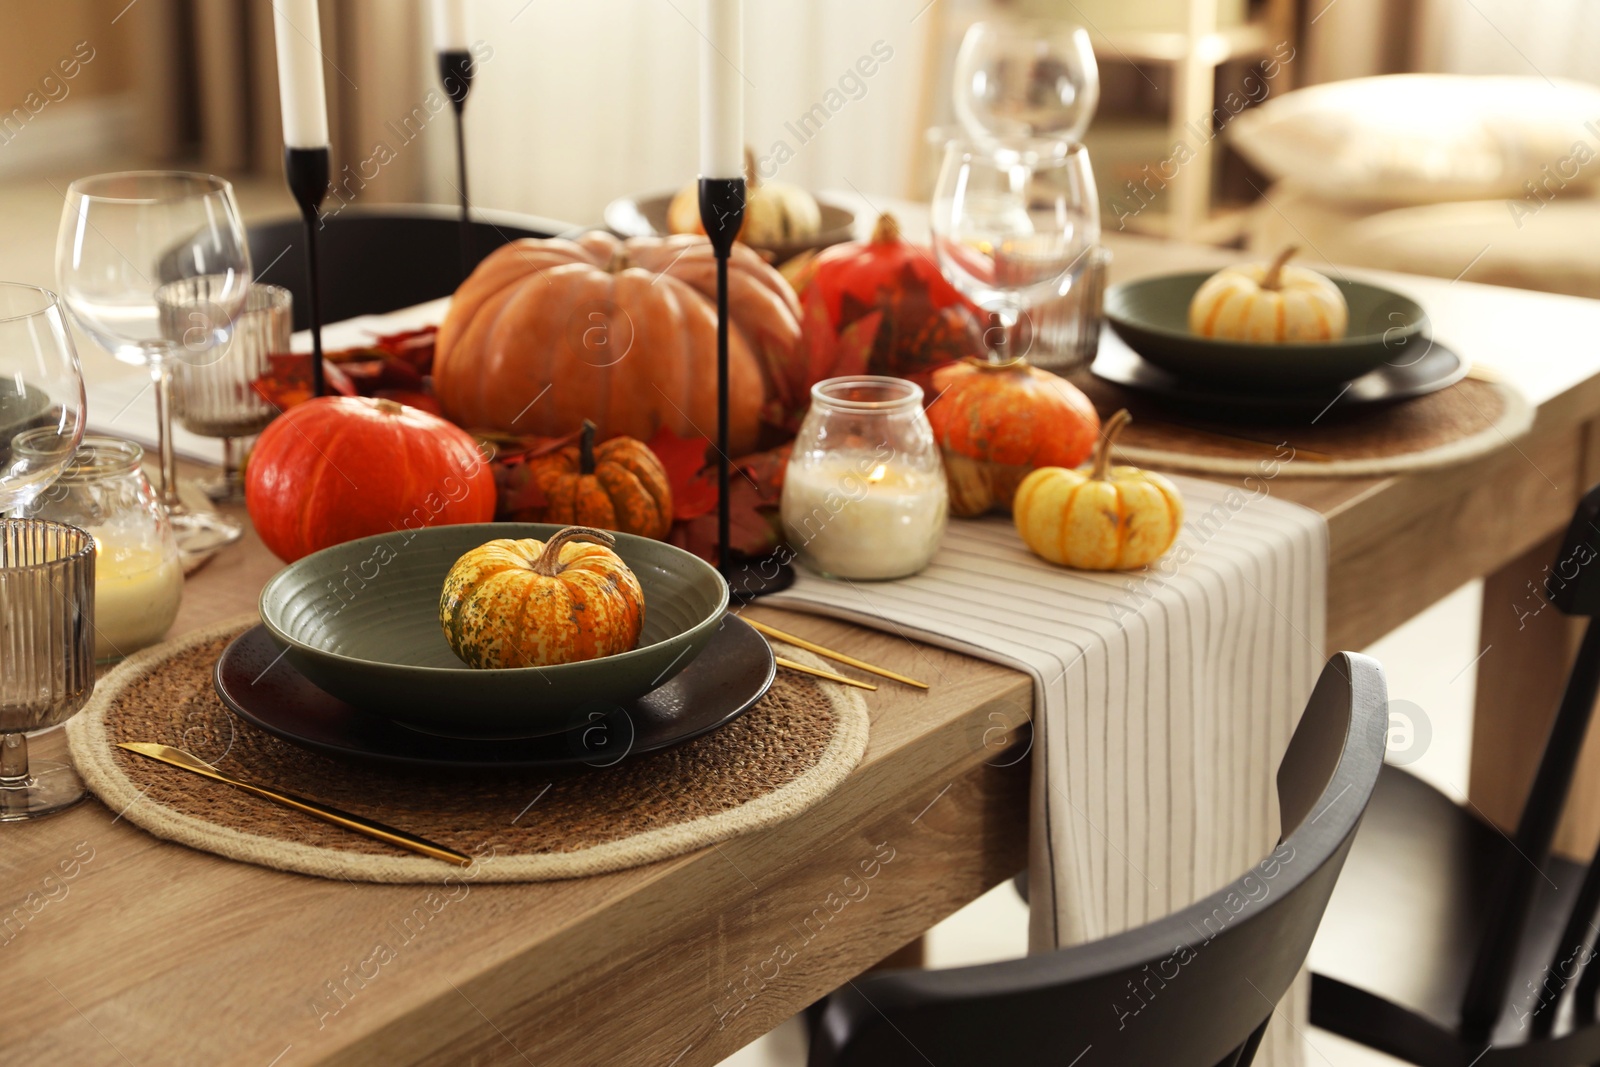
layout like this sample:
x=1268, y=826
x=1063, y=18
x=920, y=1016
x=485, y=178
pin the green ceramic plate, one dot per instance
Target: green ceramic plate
x=1152, y=316
x=361, y=620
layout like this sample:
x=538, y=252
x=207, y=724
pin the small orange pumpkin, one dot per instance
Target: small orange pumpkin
x=617, y=485
x=995, y=422
x=532, y=603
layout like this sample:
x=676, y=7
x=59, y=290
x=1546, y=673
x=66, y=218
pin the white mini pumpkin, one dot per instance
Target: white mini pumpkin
x=1269, y=303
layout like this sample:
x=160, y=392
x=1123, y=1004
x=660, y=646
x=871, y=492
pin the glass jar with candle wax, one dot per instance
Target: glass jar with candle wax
x=864, y=496
x=138, y=578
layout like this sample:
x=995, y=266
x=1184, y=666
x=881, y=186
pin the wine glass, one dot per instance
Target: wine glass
x=46, y=568
x=41, y=390
x=124, y=236
x=1014, y=224
x=1026, y=78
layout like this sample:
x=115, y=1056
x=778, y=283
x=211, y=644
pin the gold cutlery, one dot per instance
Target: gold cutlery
x=800, y=642
x=177, y=757
x=817, y=673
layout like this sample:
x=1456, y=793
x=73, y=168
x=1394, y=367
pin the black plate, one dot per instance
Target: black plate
x=736, y=669
x=1423, y=366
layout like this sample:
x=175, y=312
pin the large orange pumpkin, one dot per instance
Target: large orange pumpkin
x=341, y=467
x=995, y=422
x=546, y=333
x=617, y=485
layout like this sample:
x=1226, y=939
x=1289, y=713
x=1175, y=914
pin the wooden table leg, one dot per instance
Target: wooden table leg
x=1530, y=647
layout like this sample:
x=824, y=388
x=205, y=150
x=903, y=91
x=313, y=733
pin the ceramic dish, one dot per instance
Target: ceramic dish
x=1427, y=367
x=646, y=216
x=1152, y=316
x=735, y=670
x=361, y=621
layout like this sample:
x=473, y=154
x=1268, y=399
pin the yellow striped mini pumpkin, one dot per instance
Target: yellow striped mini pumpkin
x=1273, y=303
x=1110, y=519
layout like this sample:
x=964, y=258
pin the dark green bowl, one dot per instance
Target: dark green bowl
x=1152, y=316
x=361, y=621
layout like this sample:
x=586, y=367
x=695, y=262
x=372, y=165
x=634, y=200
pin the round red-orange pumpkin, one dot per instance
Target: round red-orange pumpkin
x=334, y=469
x=997, y=422
x=546, y=333
x=616, y=485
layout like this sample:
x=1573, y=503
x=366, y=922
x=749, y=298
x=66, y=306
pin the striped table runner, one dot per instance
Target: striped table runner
x=1163, y=698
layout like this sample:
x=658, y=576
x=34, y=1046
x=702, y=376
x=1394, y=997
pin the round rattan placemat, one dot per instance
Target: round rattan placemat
x=1468, y=419
x=783, y=755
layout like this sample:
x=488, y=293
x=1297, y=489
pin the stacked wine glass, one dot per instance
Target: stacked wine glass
x=1016, y=218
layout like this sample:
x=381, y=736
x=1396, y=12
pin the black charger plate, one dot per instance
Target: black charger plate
x=1421, y=366
x=258, y=684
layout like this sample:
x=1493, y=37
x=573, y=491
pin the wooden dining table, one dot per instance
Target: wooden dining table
x=153, y=953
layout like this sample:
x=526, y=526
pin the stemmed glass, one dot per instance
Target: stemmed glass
x=46, y=568
x=1014, y=222
x=125, y=236
x=1026, y=78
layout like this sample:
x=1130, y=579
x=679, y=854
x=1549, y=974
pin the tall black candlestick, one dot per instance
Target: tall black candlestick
x=307, y=171
x=722, y=213
x=455, y=71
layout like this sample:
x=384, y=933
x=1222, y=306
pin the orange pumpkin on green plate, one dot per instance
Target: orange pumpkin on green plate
x=532, y=603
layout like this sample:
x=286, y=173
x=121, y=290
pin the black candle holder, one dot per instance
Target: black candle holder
x=455, y=72
x=722, y=202
x=307, y=170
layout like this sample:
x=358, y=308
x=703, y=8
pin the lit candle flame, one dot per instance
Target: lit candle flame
x=877, y=474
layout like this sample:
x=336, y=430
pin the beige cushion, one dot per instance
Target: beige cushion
x=1555, y=248
x=1426, y=138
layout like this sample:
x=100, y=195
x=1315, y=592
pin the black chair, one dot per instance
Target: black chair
x=1195, y=989
x=1449, y=943
x=382, y=260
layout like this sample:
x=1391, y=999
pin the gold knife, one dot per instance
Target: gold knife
x=177, y=757
x=816, y=673
x=811, y=646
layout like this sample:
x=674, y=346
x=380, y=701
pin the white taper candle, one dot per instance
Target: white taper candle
x=722, y=89
x=303, y=97
x=450, y=26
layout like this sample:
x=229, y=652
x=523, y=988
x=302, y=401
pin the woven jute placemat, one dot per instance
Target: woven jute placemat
x=1468, y=419
x=779, y=758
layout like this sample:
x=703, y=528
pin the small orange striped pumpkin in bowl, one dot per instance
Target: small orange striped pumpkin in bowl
x=1110, y=519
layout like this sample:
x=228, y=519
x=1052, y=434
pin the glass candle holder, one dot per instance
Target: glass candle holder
x=46, y=656
x=864, y=496
x=212, y=394
x=139, y=579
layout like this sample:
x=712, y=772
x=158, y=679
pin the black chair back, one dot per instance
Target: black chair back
x=382, y=260
x=1195, y=989
x=1573, y=586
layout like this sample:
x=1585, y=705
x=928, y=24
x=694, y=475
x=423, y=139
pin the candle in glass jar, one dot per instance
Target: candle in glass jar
x=136, y=594
x=855, y=515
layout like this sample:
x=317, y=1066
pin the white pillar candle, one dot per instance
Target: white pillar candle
x=850, y=515
x=137, y=590
x=722, y=89
x=303, y=98
x=450, y=26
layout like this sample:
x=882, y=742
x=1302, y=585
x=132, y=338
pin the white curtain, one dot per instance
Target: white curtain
x=584, y=102
x=1552, y=38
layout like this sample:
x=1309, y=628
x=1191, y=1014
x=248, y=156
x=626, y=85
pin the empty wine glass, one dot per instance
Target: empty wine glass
x=124, y=236
x=1026, y=78
x=41, y=390
x=1014, y=222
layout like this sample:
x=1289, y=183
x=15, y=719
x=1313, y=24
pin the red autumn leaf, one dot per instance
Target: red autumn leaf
x=685, y=460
